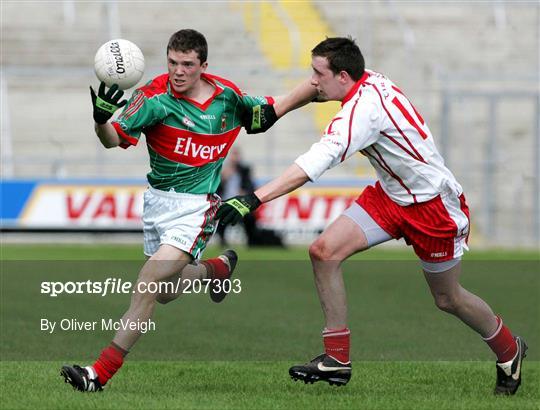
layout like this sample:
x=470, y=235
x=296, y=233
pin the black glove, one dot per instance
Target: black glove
x=259, y=118
x=234, y=209
x=106, y=103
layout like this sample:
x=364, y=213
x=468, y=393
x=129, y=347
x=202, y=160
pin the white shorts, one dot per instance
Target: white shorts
x=185, y=221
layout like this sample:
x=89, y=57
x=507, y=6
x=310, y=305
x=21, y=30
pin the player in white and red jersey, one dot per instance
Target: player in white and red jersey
x=416, y=197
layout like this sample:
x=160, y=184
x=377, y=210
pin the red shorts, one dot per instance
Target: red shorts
x=437, y=229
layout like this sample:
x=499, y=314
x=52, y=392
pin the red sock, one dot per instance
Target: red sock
x=502, y=342
x=216, y=268
x=337, y=343
x=109, y=361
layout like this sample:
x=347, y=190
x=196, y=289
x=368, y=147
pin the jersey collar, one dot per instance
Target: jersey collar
x=355, y=88
x=205, y=77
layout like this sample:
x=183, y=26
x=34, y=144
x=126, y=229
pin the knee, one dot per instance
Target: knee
x=320, y=251
x=447, y=303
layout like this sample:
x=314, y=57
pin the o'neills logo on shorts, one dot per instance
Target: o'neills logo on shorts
x=190, y=148
x=118, y=58
x=438, y=254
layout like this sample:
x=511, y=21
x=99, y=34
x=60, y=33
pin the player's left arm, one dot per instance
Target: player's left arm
x=308, y=166
x=292, y=178
x=234, y=209
x=299, y=96
x=260, y=118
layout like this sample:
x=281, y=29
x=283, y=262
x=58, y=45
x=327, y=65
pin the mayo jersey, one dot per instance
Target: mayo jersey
x=187, y=141
x=379, y=121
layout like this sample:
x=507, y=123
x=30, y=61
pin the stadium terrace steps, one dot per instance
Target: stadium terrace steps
x=449, y=35
x=38, y=49
x=38, y=29
x=48, y=65
x=296, y=27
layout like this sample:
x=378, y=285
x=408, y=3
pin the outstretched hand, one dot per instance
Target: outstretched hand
x=234, y=209
x=106, y=103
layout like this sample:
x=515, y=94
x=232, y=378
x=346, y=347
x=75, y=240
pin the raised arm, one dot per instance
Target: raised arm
x=292, y=178
x=261, y=117
x=104, y=104
x=234, y=209
x=107, y=135
x=299, y=96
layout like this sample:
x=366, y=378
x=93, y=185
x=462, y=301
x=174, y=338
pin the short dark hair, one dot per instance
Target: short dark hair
x=189, y=40
x=342, y=54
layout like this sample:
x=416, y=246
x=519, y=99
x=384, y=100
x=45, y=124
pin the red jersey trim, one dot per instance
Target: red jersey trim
x=157, y=86
x=135, y=106
x=385, y=166
x=160, y=85
x=126, y=140
x=409, y=117
x=329, y=129
x=209, y=79
x=395, y=141
x=355, y=88
x=350, y=131
x=225, y=82
x=416, y=112
x=235, y=88
x=418, y=157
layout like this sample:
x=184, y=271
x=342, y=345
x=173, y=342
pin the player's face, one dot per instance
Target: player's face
x=185, y=70
x=327, y=83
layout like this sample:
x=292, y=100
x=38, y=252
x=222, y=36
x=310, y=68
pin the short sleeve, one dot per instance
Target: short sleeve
x=354, y=128
x=249, y=101
x=139, y=113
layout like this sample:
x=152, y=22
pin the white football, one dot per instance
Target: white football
x=119, y=62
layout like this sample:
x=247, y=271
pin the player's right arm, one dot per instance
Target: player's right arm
x=138, y=113
x=104, y=104
x=107, y=135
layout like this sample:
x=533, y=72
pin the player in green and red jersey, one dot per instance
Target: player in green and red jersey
x=190, y=120
x=183, y=133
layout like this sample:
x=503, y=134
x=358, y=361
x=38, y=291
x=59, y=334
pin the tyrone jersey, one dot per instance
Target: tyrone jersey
x=187, y=141
x=377, y=120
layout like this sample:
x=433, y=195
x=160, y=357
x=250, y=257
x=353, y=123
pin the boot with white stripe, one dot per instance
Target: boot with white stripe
x=322, y=368
x=509, y=373
x=81, y=378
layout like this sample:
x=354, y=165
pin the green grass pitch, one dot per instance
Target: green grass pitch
x=406, y=354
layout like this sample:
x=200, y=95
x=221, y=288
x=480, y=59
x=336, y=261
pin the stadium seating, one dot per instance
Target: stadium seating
x=425, y=47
